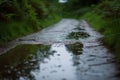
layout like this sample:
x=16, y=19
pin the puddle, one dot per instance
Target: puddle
x=20, y=61
x=40, y=62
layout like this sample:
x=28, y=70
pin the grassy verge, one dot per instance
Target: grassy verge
x=95, y=20
x=17, y=29
x=110, y=29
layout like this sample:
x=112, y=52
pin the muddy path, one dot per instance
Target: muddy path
x=68, y=50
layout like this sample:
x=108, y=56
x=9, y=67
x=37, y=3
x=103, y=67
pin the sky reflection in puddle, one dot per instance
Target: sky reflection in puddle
x=55, y=62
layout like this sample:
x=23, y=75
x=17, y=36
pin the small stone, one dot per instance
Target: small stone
x=64, y=79
x=58, y=54
x=54, y=71
x=43, y=77
x=59, y=66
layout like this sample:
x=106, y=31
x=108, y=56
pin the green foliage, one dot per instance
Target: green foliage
x=106, y=19
x=53, y=18
x=95, y=20
x=21, y=17
x=77, y=8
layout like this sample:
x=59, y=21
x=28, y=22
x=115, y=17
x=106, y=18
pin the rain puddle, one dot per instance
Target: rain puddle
x=41, y=62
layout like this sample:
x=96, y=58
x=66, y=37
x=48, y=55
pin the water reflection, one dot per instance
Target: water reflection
x=41, y=62
x=19, y=62
x=75, y=48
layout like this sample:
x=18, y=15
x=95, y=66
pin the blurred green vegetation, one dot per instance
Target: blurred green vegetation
x=105, y=17
x=21, y=17
x=76, y=8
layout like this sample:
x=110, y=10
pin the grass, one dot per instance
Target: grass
x=52, y=19
x=110, y=29
x=95, y=20
x=16, y=29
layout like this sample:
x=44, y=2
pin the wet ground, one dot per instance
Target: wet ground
x=68, y=50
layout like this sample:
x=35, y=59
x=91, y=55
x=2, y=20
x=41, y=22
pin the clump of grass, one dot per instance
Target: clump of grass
x=77, y=35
